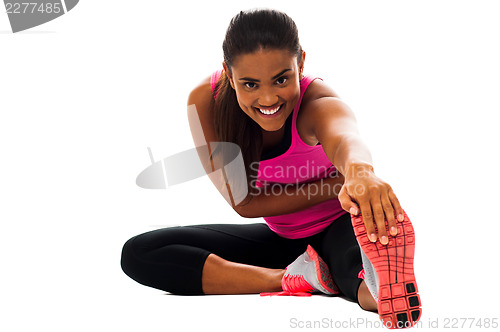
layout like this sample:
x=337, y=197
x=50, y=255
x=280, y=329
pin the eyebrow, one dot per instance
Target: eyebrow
x=254, y=80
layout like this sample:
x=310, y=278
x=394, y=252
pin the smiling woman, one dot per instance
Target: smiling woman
x=265, y=99
x=261, y=71
x=281, y=119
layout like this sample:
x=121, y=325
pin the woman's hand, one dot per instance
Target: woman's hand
x=363, y=190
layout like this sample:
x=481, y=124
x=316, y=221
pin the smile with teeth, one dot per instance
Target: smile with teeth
x=270, y=111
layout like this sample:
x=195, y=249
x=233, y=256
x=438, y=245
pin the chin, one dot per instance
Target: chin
x=271, y=127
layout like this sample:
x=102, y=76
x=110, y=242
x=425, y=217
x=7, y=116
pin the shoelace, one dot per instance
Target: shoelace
x=293, y=285
x=296, y=283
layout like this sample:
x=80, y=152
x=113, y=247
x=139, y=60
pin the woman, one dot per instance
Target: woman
x=291, y=129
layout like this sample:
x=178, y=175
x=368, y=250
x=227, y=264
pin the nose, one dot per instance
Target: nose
x=268, y=98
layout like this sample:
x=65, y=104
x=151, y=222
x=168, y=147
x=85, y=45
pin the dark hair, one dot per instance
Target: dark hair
x=248, y=32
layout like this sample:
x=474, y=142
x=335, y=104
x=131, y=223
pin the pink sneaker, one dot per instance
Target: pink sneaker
x=306, y=275
x=388, y=273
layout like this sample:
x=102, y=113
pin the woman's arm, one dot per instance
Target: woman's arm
x=334, y=125
x=279, y=199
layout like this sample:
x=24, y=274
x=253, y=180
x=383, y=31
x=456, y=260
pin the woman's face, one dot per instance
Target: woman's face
x=267, y=85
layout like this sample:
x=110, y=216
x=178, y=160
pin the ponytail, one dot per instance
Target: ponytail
x=231, y=124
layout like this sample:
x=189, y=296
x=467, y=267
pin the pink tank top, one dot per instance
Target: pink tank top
x=300, y=164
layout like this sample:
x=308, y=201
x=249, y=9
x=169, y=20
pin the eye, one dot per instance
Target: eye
x=282, y=79
x=247, y=84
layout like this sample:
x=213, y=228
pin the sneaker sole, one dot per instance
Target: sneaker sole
x=322, y=272
x=399, y=304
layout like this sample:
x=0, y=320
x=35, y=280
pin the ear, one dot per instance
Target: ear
x=228, y=74
x=301, y=67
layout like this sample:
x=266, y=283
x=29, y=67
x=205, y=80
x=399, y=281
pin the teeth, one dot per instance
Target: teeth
x=269, y=112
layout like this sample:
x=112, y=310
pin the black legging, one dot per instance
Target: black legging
x=172, y=259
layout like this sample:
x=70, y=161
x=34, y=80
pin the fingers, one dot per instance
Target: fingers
x=376, y=205
x=389, y=214
x=379, y=215
x=376, y=210
x=366, y=212
x=347, y=203
x=397, y=206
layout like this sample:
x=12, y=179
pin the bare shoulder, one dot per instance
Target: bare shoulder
x=200, y=97
x=316, y=90
x=201, y=93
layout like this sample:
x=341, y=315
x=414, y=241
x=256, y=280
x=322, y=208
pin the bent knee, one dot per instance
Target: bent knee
x=128, y=258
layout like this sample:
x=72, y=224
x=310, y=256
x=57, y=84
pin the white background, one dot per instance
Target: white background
x=83, y=96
